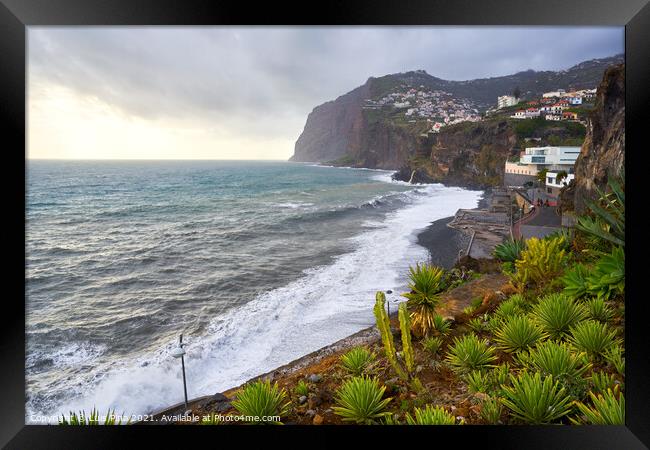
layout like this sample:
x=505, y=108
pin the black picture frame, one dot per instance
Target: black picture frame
x=16, y=15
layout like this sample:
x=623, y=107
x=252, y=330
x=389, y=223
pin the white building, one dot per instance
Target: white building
x=553, y=117
x=520, y=114
x=551, y=158
x=553, y=186
x=506, y=100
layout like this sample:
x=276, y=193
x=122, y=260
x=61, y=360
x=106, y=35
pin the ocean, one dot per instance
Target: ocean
x=256, y=263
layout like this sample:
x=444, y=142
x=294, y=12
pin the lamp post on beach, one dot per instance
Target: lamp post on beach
x=178, y=352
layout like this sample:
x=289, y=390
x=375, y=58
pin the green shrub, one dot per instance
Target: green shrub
x=608, y=275
x=534, y=400
x=477, y=381
x=542, y=260
x=260, y=399
x=518, y=333
x=440, y=324
x=491, y=410
x=607, y=220
x=614, y=356
x=470, y=353
x=432, y=344
x=357, y=360
x=360, y=400
x=509, y=250
x=556, y=359
x=430, y=415
x=592, y=337
x=426, y=282
x=598, y=310
x=575, y=281
x=302, y=388
x=601, y=381
x=607, y=409
x=556, y=313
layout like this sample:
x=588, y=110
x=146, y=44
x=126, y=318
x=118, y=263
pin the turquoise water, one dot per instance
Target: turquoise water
x=256, y=263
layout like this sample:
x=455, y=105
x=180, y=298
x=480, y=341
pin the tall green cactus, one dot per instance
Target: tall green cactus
x=383, y=323
x=405, y=328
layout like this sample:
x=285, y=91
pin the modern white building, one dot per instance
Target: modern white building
x=506, y=100
x=551, y=158
x=553, y=186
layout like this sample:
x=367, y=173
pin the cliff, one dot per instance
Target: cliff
x=364, y=129
x=603, y=152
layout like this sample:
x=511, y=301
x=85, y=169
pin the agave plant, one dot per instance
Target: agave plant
x=608, y=275
x=426, y=284
x=470, y=353
x=592, y=337
x=556, y=313
x=606, y=409
x=575, y=281
x=357, y=360
x=518, y=333
x=360, y=400
x=262, y=400
x=432, y=344
x=607, y=220
x=509, y=250
x=534, y=400
x=430, y=415
x=93, y=418
x=556, y=359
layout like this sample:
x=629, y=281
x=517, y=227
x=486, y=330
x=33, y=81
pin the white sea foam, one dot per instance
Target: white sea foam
x=325, y=305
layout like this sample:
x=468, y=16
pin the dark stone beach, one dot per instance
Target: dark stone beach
x=443, y=242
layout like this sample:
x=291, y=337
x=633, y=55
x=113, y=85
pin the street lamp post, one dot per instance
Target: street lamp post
x=178, y=352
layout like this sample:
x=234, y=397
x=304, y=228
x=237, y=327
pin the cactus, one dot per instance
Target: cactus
x=383, y=323
x=405, y=327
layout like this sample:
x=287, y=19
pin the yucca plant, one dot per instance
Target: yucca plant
x=601, y=381
x=614, y=356
x=606, y=409
x=93, y=418
x=302, y=388
x=470, y=353
x=360, y=400
x=543, y=259
x=513, y=306
x=534, y=400
x=608, y=275
x=518, y=333
x=607, y=220
x=575, y=281
x=500, y=374
x=426, y=282
x=358, y=360
x=430, y=415
x=556, y=313
x=598, y=310
x=491, y=409
x=556, y=359
x=509, y=251
x=592, y=337
x=261, y=399
x=441, y=325
x=432, y=344
x=477, y=381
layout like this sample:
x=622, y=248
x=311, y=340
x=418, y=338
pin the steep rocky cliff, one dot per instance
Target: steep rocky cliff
x=603, y=153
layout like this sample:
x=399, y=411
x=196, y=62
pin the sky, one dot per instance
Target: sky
x=245, y=92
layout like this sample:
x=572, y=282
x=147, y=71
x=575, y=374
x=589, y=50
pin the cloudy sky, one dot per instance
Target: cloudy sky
x=245, y=92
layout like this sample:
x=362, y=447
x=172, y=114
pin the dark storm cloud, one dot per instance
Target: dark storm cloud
x=266, y=80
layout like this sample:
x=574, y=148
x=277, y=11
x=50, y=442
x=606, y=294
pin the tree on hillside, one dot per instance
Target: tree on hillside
x=541, y=175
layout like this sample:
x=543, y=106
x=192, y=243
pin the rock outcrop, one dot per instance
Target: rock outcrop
x=603, y=152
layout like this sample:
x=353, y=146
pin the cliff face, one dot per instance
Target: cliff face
x=603, y=153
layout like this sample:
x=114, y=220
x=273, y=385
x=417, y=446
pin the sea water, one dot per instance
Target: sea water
x=256, y=263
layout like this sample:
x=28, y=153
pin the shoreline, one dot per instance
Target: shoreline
x=443, y=244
